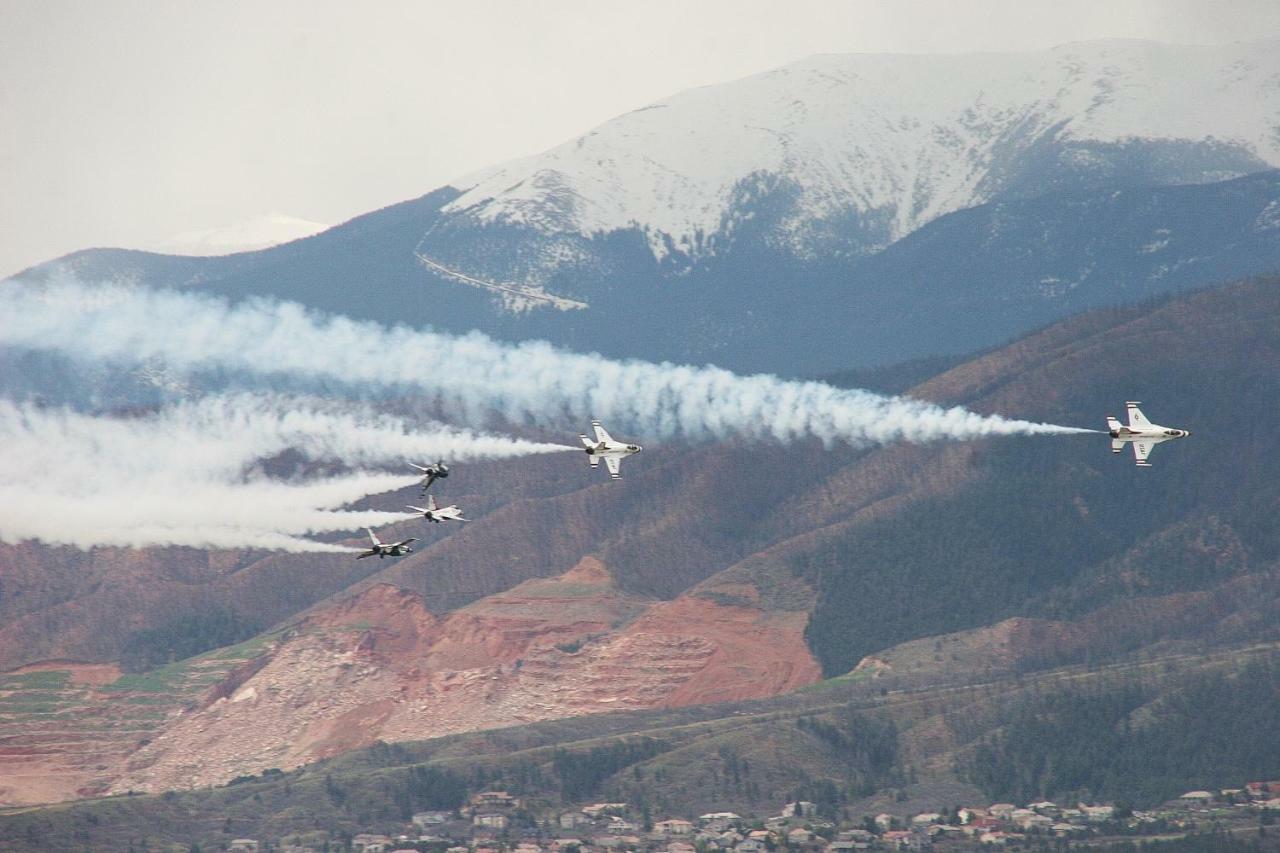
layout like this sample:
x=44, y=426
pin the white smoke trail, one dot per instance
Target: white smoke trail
x=191, y=474
x=530, y=382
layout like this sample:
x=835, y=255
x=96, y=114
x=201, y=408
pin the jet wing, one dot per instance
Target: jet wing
x=1137, y=420
x=404, y=542
x=1141, y=450
x=614, y=464
x=601, y=433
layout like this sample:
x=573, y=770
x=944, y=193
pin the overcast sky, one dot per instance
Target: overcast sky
x=124, y=123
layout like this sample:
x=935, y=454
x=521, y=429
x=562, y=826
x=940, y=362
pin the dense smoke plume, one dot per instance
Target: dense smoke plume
x=192, y=474
x=471, y=375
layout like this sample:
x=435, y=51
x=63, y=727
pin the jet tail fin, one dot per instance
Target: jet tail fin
x=1112, y=423
x=431, y=503
x=586, y=442
x=372, y=537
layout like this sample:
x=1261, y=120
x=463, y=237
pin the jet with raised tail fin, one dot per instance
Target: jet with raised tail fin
x=431, y=473
x=604, y=447
x=1141, y=434
x=431, y=512
x=393, y=549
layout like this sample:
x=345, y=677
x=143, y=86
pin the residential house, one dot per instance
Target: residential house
x=926, y=818
x=673, y=826
x=799, y=835
x=1032, y=822
x=490, y=820
x=596, y=810
x=900, y=838
x=1196, y=799
x=751, y=845
x=884, y=822
x=368, y=842
x=680, y=847
x=573, y=820
x=1001, y=811
x=979, y=825
x=490, y=800
x=1045, y=807
x=801, y=808
x=1097, y=814
x=1262, y=790
x=714, y=816
x=998, y=839
x=856, y=835
x=622, y=826
x=424, y=819
x=719, y=821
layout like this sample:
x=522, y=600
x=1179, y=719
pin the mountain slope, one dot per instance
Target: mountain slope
x=861, y=185
x=921, y=564
x=891, y=142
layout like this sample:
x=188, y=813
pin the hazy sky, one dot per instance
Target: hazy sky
x=123, y=123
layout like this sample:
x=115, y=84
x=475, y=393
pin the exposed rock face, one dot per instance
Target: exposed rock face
x=380, y=666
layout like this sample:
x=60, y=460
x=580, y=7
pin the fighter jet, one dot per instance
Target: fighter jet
x=394, y=549
x=432, y=473
x=1141, y=433
x=604, y=447
x=438, y=514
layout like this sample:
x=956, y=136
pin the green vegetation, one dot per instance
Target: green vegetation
x=39, y=680
x=185, y=636
x=832, y=747
x=580, y=773
x=1128, y=742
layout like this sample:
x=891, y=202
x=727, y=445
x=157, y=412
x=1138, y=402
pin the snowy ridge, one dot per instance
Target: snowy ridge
x=899, y=139
x=260, y=232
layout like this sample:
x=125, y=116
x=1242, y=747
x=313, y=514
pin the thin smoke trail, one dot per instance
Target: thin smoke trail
x=531, y=382
x=192, y=474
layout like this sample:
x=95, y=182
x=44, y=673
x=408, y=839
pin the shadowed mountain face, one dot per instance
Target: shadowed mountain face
x=965, y=281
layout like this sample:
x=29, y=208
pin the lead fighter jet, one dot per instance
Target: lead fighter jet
x=431, y=512
x=394, y=549
x=604, y=447
x=431, y=473
x=1141, y=433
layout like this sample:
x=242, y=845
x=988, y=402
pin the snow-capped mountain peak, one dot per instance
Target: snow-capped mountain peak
x=889, y=142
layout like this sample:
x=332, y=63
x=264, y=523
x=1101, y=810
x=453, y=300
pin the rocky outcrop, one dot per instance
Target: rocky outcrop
x=380, y=666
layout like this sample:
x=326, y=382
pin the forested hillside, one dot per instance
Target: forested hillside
x=1059, y=527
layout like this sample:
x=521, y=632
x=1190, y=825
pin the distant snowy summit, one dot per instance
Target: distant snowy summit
x=260, y=232
x=844, y=154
